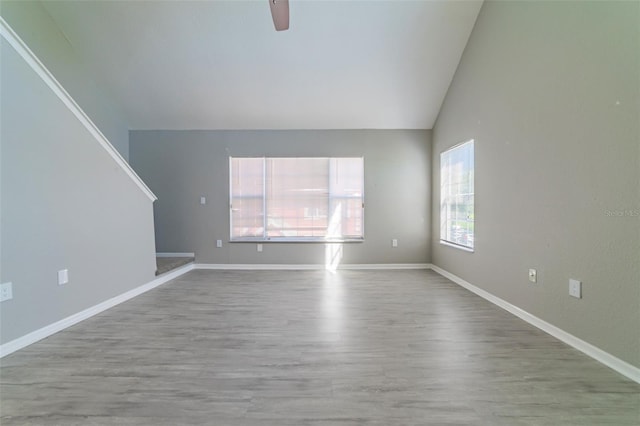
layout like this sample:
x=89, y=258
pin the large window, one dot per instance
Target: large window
x=296, y=199
x=456, y=196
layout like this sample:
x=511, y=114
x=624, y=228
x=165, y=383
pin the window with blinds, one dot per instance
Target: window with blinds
x=296, y=199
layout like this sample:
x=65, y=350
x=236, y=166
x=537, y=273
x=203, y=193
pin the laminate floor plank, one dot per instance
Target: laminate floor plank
x=309, y=348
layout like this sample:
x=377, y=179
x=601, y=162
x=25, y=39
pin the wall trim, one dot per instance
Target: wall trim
x=389, y=266
x=622, y=367
x=32, y=60
x=46, y=331
x=175, y=255
x=308, y=267
x=257, y=267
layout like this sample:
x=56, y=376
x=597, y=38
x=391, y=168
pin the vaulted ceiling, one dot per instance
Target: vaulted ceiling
x=221, y=64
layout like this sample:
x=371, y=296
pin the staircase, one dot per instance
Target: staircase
x=167, y=264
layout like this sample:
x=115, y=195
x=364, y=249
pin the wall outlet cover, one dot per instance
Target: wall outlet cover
x=6, y=292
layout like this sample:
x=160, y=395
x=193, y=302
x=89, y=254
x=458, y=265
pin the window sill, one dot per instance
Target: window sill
x=457, y=246
x=298, y=240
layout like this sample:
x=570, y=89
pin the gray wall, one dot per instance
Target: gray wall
x=65, y=203
x=550, y=92
x=181, y=166
x=38, y=30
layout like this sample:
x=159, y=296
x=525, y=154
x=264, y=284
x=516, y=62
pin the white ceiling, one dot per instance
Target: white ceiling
x=221, y=65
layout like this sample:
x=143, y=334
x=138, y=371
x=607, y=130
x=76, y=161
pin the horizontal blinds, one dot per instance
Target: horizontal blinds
x=297, y=198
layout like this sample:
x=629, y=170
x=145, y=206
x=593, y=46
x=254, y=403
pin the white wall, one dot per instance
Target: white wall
x=550, y=91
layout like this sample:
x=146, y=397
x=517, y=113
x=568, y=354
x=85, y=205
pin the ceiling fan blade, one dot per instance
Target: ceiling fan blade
x=280, y=14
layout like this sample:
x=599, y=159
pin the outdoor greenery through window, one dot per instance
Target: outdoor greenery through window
x=297, y=199
x=456, y=195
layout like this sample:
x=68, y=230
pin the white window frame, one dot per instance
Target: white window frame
x=446, y=196
x=290, y=239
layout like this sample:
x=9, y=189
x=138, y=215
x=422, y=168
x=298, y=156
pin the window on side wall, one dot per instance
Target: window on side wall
x=457, y=196
x=296, y=199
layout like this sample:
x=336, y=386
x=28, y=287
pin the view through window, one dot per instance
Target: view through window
x=456, y=195
x=297, y=199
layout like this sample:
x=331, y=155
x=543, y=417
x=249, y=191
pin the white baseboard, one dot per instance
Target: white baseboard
x=57, y=326
x=257, y=267
x=308, y=267
x=175, y=255
x=594, y=352
x=389, y=266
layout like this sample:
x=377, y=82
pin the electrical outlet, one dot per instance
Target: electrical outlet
x=6, y=292
x=203, y=200
x=218, y=243
x=63, y=276
x=533, y=275
x=394, y=243
x=575, y=288
x=259, y=248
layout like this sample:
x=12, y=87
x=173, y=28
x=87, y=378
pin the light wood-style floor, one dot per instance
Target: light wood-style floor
x=309, y=348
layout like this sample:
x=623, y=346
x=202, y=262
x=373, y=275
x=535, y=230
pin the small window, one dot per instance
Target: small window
x=456, y=196
x=296, y=199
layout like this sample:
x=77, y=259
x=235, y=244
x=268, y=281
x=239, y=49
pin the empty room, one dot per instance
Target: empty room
x=264, y=212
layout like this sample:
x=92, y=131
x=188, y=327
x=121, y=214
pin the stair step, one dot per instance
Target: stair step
x=167, y=264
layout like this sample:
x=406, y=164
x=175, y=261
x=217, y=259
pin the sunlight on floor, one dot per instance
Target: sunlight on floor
x=333, y=251
x=333, y=256
x=332, y=304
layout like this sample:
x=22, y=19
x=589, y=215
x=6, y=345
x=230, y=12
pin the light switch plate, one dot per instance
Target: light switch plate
x=394, y=243
x=575, y=288
x=63, y=276
x=203, y=200
x=533, y=275
x=259, y=247
x=218, y=243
